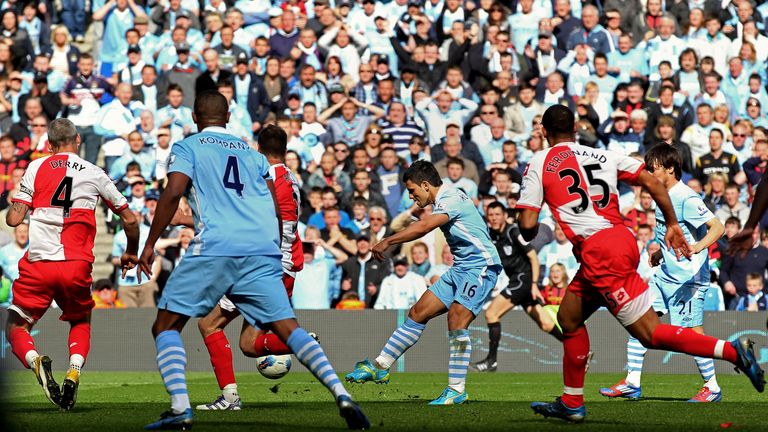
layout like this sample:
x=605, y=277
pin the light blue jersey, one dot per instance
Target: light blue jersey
x=233, y=210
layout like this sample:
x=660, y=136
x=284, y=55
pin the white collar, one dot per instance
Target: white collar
x=215, y=129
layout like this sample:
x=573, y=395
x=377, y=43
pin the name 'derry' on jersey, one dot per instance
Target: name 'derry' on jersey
x=289, y=201
x=232, y=208
x=63, y=192
x=580, y=186
x=465, y=232
x=692, y=216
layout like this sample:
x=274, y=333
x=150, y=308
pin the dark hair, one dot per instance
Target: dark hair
x=496, y=205
x=558, y=121
x=360, y=201
x=273, y=141
x=644, y=226
x=733, y=220
x=211, y=105
x=722, y=135
x=664, y=155
x=422, y=171
x=361, y=171
x=454, y=161
x=174, y=87
x=328, y=189
x=132, y=165
x=731, y=186
x=600, y=56
x=225, y=83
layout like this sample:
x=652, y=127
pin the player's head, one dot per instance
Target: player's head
x=422, y=181
x=273, y=141
x=62, y=134
x=211, y=109
x=558, y=123
x=664, y=161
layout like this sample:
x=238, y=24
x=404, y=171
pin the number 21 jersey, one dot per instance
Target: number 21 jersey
x=579, y=184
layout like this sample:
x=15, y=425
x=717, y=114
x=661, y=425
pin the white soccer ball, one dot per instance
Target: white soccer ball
x=274, y=366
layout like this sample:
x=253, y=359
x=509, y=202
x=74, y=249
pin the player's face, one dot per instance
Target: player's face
x=661, y=173
x=495, y=218
x=418, y=193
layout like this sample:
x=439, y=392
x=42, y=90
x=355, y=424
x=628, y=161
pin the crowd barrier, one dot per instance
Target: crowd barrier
x=121, y=341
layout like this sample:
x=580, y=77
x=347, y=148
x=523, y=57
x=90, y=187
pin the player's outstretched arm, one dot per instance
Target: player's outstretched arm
x=742, y=241
x=166, y=208
x=16, y=214
x=528, y=221
x=674, y=238
x=715, y=230
x=130, y=223
x=414, y=231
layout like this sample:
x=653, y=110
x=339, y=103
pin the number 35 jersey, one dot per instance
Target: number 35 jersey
x=579, y=184
x=62, y=192
x=233, y=210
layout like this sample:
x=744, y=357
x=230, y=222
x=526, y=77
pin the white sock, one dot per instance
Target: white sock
x=230, y=393
x=30, y=358
x=179, y=402
x=712, y=385
x=76, y=362
x=633, y=378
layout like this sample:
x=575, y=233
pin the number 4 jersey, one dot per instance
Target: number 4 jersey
x=579, y=184
x=62, y=192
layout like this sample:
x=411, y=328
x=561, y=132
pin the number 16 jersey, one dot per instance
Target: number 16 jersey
x=580, y=186
x=62, y=192
x=233, y=210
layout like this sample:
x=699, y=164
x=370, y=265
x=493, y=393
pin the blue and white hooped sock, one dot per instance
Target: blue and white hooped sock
x=635, y=356
x=403, y=338
x=171, y=360
x=707, y=370
x=311, y=355
x=458, y=361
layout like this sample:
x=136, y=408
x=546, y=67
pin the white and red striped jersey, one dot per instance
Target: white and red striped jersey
x=289, y=201
x=580, y=186
x=62, y=192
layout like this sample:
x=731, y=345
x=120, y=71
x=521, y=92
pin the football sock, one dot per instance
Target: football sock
x=576, y=350
x=685, y=340
x=311, y=355
x=171, y=360
x=458, y=361
x=23, y=346
x=635, y=356
x=79, y=344
x=707, y=370
x=221, y=359
x=403, y=338
x=230, y=393
x=494, y=336
x=270, y=344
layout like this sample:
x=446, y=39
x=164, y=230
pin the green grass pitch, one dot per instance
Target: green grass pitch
x=118, y=401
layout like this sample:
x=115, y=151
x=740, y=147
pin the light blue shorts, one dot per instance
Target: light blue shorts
x=685, y=304
x=467, y=287
x=254, y=284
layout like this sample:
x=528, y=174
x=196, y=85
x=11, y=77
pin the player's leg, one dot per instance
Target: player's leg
x=498, y=307
x=211, y=328
x=545, y=322
x=79, y=346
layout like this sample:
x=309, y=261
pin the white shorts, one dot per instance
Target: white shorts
x=635, y=308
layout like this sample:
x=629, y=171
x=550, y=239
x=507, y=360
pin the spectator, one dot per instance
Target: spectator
x=176, y=115
x=558, y=251
x=754, y=300
x=665, y=106
x=733, y=207
x=379, y=228
x=8, y=163
x=590, y=32
x=391, y=174
x=718, y=161
x=401, y=289
x=455, y=178
x=617, y=136
x=361, y=182
x=213, y=75
x=105, y=295
x=118, y=16
x=330, y=174
x=734, y=271
x=420, y=263
x=135, y=152
x=115, y=121
x=363, y=274
x=312, y=288
x=557, y=282
x=518, y=118
x=350, y=127
x=453, y=149
x=147, y=92
x=697, y=135
x=132, y=292
x=438, y=113
x=402, y=129
x=334, y=234
x=11, y=254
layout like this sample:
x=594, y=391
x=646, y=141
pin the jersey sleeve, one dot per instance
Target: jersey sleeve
x=628, y=168
x=532, y=190
x=265, y=171
x=695, y=212
x=26, y=188
x=448, y=206
x=182, y=160
x=108, y=191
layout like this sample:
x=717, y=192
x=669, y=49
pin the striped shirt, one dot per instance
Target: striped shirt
x=401, y=135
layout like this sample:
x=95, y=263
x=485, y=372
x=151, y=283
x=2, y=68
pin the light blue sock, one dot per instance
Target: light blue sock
x=635, y=356
x=311, y=355
x=171, y=360
x=707, y=370
x=403, y=338
x=458, y=361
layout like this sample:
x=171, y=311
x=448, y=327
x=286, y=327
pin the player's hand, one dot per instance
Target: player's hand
x=128, y=262
x=380, y=249
x=741, y=242
x=145, y=262
x=655, y=258
x=676, y=242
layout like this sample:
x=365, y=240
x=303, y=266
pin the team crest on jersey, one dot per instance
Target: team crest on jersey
x=702, y=209
x=171, y=159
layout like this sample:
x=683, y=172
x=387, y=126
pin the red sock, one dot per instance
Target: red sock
x=270, y=344
x=221, y=358
x=80, y=339
x=576, y=349
x=673, y=338
x=21, y=344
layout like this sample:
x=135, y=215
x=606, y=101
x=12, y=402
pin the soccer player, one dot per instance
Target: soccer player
x=63, y=191
x=521, y=264
x=679, y=285
x=235, y=252
x=461, y=291
x=579, y=184
x=255, y=342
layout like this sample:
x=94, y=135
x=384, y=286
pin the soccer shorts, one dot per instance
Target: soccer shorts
x=288, y=282
x=608, y=275
x=199, y=282
x=518, y=292
x=41, y=282
x=684, y=304
x=468, y=287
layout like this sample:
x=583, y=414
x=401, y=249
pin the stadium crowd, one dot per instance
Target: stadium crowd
x=364, y=88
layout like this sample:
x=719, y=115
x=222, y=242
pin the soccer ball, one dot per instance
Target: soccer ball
x=274, y=366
